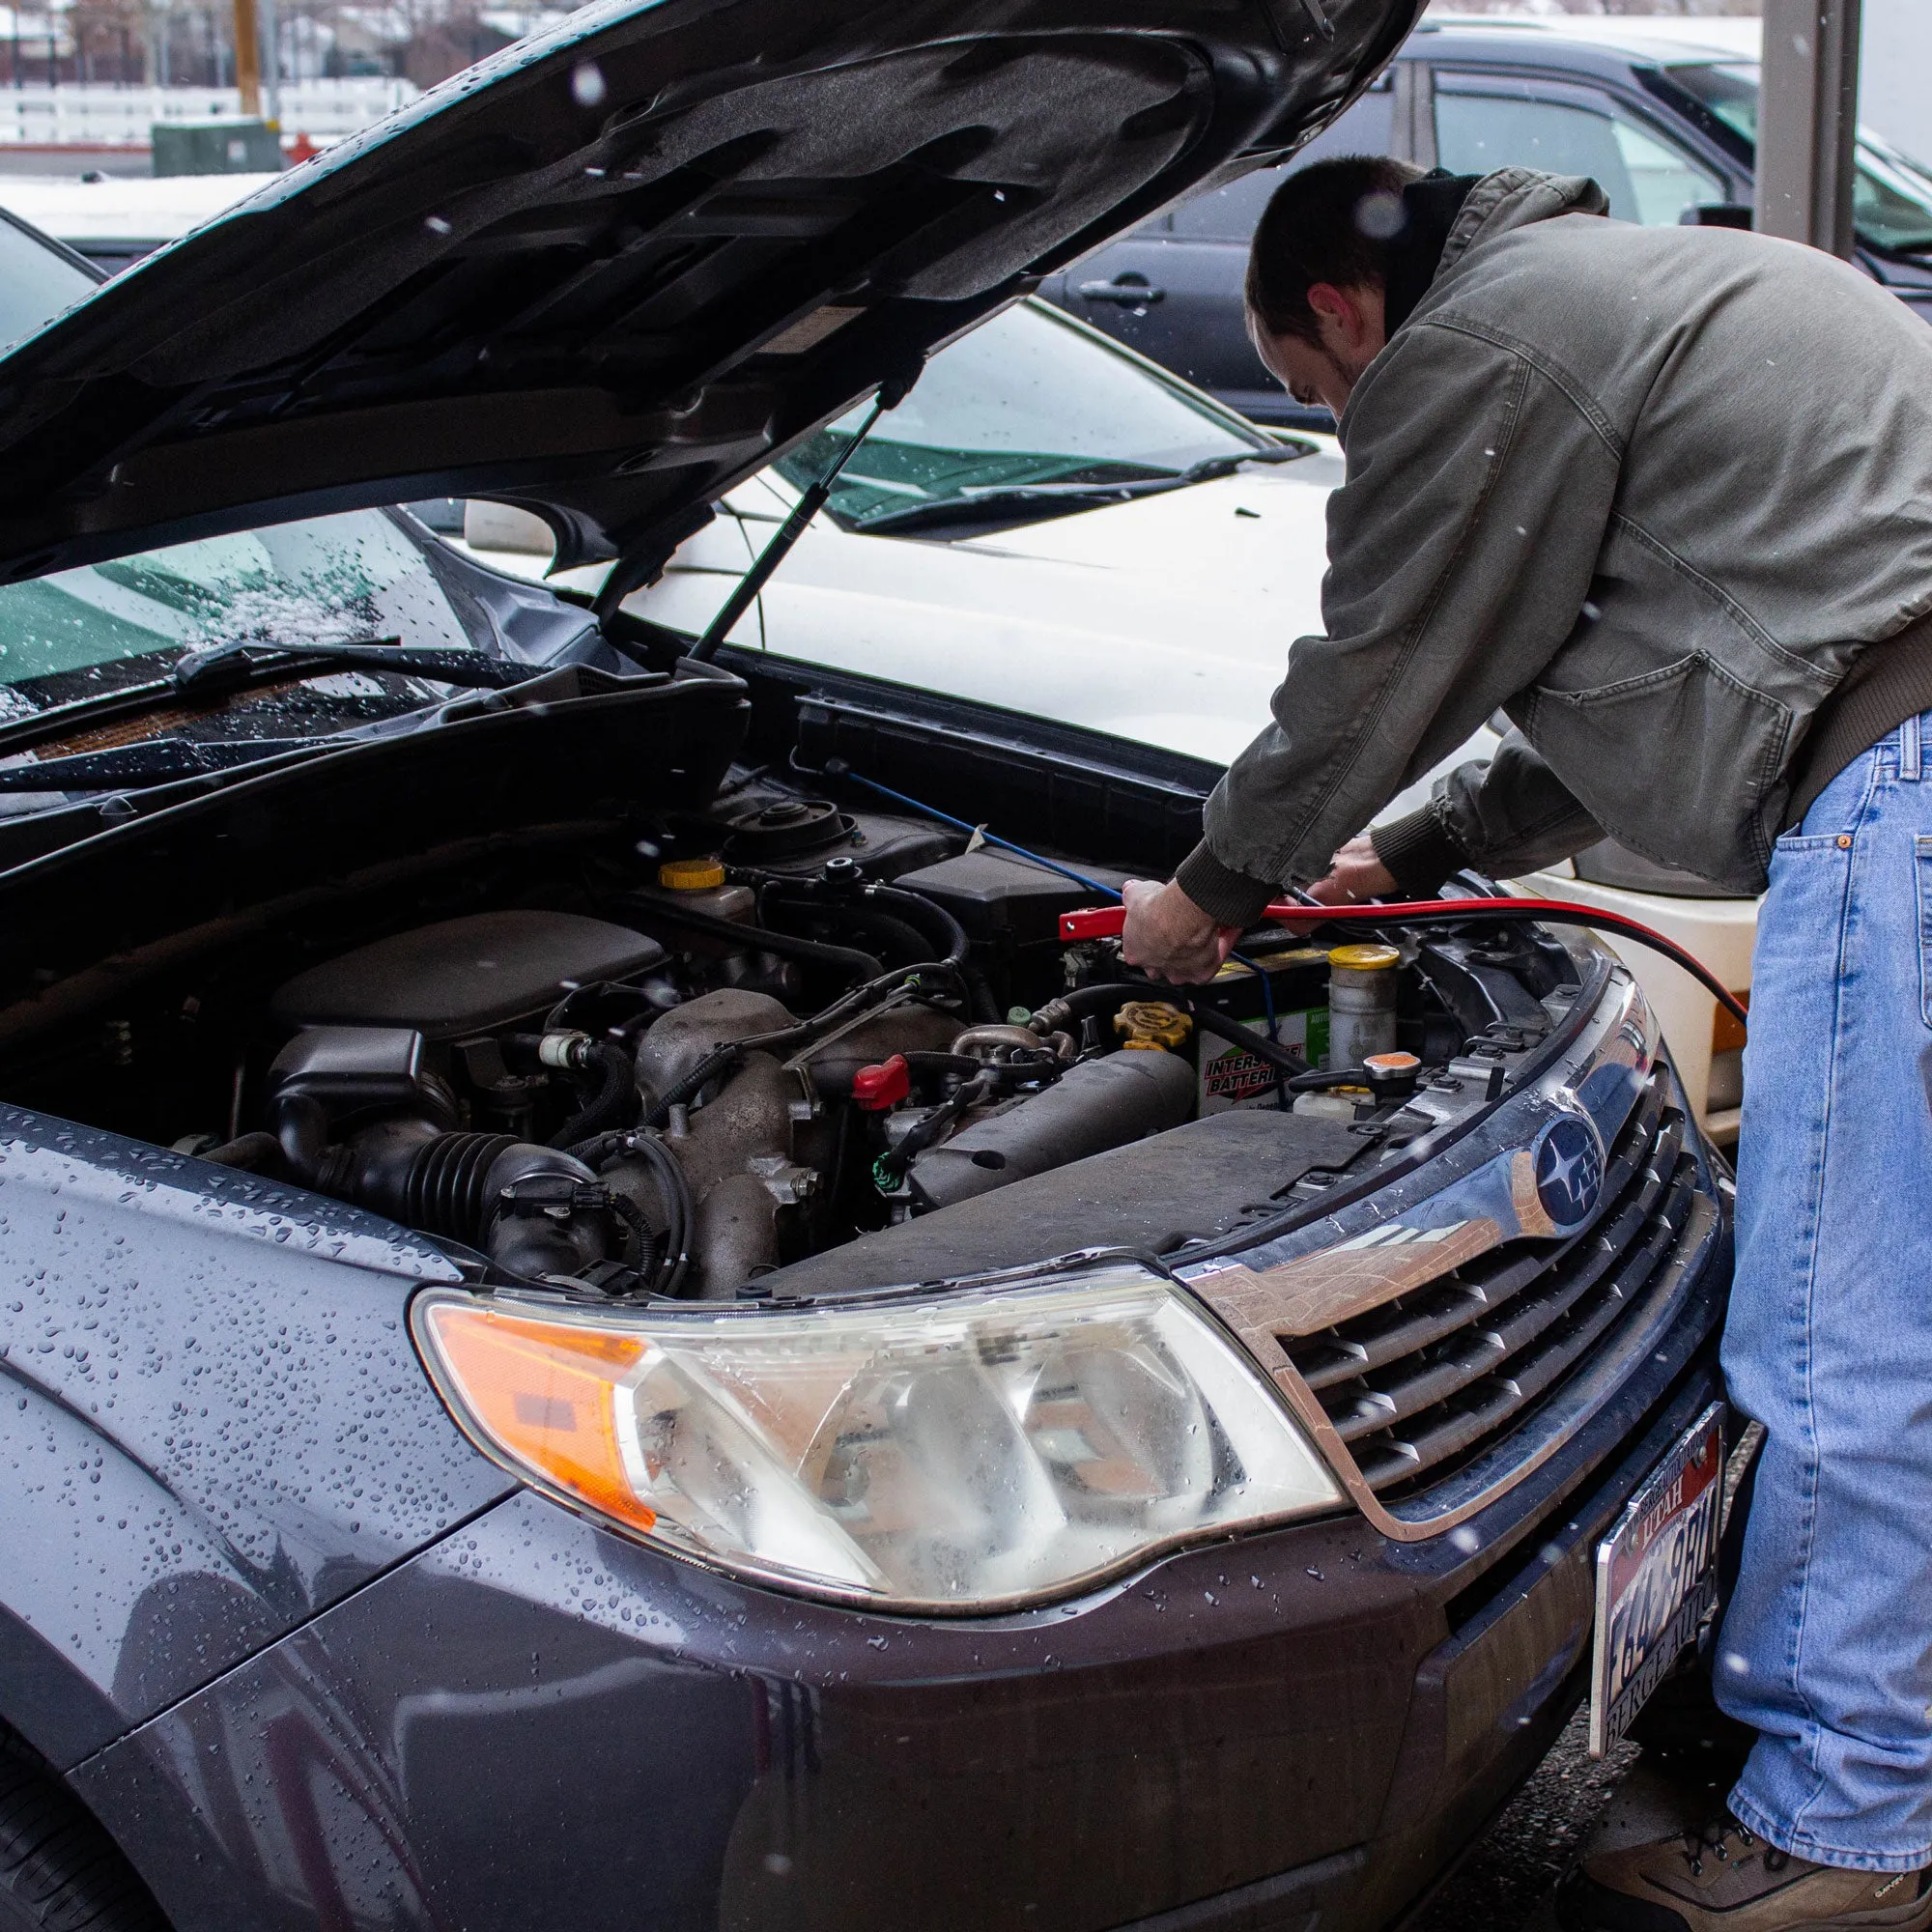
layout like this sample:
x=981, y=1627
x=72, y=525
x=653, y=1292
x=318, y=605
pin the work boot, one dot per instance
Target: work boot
x=1726, y=1879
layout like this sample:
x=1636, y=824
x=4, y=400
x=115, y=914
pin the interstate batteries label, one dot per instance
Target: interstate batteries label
x=1229, y=1075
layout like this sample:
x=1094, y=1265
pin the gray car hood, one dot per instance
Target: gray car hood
x=620, y=266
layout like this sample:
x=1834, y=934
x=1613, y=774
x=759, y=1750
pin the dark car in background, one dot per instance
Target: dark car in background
x=1667, y=126
x=601, y=1319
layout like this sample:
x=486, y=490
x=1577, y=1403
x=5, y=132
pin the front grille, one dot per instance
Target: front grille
x=1424, y=1380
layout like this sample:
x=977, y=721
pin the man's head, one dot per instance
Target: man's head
x=1317, y=270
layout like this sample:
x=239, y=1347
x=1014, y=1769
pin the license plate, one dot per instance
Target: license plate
x=1657, y=1576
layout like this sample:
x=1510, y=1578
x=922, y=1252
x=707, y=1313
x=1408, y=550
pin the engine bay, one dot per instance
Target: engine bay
x=784, y=1047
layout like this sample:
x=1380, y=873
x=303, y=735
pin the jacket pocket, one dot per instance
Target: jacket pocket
x=1676, y=762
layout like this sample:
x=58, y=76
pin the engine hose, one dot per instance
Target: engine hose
x=1107, y=997
x=927, y=916
x=254, y=1154
x=617, y=1095
x=881, y=929
x=1323, y=1078
x=845, y=959
x=936, y=927
x=1282, y=1059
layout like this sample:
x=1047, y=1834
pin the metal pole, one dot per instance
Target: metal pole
x=1808, y=117
x=247, y=57
x=272, y=65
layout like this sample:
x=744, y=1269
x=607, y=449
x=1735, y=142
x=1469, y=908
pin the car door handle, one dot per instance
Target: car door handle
x=1129, y=293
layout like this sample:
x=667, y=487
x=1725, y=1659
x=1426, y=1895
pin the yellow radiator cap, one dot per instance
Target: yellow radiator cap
x=1364, y=958
x=1153, y=1023
x=699, y=875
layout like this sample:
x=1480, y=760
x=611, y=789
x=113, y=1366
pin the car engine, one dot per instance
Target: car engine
x=780, y=1047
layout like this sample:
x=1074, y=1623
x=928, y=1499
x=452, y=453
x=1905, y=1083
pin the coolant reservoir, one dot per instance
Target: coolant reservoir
x=1361, y=1003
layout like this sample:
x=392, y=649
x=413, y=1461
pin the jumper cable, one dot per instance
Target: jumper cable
x=1108, y=922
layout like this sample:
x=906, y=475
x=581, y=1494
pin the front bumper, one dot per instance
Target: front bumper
x=537, y=1719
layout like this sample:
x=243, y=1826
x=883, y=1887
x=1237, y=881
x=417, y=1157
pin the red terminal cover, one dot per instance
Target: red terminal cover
x=883, y=1085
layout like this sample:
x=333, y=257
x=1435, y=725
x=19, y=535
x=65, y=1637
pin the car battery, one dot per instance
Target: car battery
x=1006, y=902
x=1297, y=986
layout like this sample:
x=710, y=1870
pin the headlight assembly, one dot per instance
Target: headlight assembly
x=973, y=1450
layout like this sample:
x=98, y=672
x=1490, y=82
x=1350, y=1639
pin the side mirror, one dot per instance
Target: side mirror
x=502, y=527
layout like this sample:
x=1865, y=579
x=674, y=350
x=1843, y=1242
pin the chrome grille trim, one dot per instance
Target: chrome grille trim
x=1428, y=1377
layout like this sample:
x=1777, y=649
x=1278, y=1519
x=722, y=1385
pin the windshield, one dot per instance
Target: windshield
x=331, y=580
x=1023, y=401
x=35, y=283
x=1892, y=194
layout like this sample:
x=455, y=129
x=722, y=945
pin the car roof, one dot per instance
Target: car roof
x=134, y=209
x=1535, y=39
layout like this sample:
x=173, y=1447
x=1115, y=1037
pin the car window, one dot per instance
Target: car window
x=34, y=284
x=1230, y=213
x=1029, y=397
x=1482, y=124
x=328, y=580
x=1892, y=194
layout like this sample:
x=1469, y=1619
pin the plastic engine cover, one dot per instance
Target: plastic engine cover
x=462, y=976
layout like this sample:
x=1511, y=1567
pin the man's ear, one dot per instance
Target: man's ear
x=1344, y=307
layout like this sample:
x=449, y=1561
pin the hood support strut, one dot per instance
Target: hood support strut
x=891, y=393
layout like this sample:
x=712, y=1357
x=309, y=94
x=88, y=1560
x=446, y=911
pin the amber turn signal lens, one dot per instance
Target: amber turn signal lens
x=1728, y=1034
x=544, y=1396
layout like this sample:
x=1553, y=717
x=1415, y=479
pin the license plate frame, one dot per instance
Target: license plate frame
x=1655, y=1577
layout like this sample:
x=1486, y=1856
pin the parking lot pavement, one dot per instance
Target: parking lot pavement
x=1572, y=1806
x=1506, y=1883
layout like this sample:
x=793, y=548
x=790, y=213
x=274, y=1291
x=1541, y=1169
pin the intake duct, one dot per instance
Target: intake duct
x=356, y=1117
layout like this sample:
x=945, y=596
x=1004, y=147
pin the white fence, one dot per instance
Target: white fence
x=37, y=115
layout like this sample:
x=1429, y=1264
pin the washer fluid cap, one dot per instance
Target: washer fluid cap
x=1364, y=958
x=699, y=875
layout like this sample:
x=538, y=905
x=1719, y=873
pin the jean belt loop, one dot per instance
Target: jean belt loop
x=1908, y=747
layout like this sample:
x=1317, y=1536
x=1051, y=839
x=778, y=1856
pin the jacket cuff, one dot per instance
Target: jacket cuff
x=1227, y=897
x=1418, y=851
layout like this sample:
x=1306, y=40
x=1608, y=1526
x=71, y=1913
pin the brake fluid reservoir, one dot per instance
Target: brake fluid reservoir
x=1362, y=984
x=699, y=884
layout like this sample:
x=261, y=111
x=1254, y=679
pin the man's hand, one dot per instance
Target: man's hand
x=1168, y=935
x=1353, y=873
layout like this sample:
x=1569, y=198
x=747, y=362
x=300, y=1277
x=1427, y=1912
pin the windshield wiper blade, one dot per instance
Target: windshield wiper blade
x=997, y=506
x=150, y=761
x=218, y=668
x=200, y=671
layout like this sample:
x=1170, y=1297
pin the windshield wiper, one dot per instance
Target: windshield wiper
x=197, y=672
x=151, y=761
x=217, y=668
x=995, y=505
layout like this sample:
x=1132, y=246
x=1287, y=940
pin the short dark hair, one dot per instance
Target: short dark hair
x=1331, y=221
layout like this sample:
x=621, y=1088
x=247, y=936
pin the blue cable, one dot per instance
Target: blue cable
x=986, y=837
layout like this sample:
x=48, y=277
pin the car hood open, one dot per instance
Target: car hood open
x=618, y=267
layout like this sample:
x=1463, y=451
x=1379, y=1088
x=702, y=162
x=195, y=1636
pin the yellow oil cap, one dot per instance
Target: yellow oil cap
x=699, y=875
x=1364, y=958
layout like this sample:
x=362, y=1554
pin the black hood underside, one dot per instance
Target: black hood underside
x=612, y=271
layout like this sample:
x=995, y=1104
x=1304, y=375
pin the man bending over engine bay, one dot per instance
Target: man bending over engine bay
x=1665, y=496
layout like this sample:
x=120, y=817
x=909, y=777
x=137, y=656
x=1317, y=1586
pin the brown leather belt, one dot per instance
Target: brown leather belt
x=1891, y=681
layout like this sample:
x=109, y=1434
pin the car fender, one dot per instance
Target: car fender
x=212, y=1423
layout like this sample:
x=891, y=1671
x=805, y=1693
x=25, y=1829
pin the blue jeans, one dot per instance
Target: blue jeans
x=1827, y=1645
